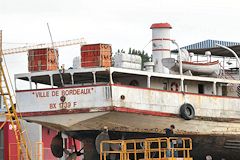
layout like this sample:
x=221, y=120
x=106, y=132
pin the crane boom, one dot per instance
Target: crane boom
x=80, y=41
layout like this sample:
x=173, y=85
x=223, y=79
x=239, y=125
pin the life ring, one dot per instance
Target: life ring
x=174, y=86
x=187, y=111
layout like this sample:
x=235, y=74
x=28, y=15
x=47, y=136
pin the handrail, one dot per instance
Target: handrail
x=147, y=149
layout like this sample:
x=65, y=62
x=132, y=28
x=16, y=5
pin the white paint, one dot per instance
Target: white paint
x=149, y=66
x=170, y=102
x=50, y=99
x=135, y=98
x=123, y=60
x=160, y=33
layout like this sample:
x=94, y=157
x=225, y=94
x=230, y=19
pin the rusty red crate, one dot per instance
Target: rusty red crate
x=96, y=55
x=42, y=60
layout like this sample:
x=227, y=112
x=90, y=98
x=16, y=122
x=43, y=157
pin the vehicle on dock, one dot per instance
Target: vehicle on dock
x=134, y=102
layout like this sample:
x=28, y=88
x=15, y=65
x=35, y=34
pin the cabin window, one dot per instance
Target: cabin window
x=23, y=84
x=165, y=86
x=200, y=88
x=128, y=79
x=102, y=77
x=57, y=80
x=1, y=144
x=83, y=78
x=67, y=78
x=224, y=90
x=41, y=82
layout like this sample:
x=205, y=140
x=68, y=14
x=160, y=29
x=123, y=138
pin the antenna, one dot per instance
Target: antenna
x=61, y=78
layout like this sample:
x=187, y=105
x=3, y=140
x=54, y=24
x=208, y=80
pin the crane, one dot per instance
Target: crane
x=80, y=41
x=11, y=115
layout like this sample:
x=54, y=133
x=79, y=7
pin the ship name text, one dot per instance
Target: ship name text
x=65, y=92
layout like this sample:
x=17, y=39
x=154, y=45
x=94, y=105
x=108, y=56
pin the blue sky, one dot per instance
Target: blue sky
x=122, y=23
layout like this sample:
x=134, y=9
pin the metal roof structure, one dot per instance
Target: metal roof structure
x=210, y=45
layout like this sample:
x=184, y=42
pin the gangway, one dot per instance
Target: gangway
x=174, y=148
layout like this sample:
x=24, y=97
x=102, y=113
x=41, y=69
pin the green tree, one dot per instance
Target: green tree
x=145, y=57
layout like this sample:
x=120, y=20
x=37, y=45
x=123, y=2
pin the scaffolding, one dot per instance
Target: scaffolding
x=174, y=148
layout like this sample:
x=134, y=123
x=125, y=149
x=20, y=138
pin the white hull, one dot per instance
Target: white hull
x=94, y=109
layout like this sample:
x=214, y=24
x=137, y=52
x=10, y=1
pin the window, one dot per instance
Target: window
x=85, y=78
x=165, y=86
x=200, y=88
x=224, y=90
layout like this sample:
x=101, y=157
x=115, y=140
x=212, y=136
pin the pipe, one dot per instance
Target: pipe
x=234, y=53
x=180, y=63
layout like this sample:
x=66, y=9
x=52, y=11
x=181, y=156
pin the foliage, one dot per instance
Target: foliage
x=145, y=57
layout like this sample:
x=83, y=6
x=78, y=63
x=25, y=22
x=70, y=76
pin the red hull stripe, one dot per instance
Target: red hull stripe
x=161, y=50
x=99, y=109
x=161, y=39
x=145, y=112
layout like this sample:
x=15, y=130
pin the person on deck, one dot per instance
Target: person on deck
x=169, y=133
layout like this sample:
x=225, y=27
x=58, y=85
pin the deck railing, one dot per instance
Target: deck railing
x=147, y=149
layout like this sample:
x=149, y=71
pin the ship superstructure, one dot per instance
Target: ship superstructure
x=202, y=104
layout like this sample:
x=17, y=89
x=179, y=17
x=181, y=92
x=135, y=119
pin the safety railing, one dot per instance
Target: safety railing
x=16, y=152
x=147, y=149
x=39, y=152
x=134, y=148
x=168, y=148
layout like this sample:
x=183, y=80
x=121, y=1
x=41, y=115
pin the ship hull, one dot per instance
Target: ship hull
x=203, y=145
x=128, y=109
x=218, y=139
x=129, y=120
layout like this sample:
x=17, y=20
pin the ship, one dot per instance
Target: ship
x=134, y=102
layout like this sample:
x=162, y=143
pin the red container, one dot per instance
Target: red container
x=96, y=55
x=42, y=60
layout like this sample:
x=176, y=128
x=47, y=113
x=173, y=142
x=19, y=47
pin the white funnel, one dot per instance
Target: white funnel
x=160, y=45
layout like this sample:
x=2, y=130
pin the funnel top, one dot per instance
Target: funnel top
x=161, y=25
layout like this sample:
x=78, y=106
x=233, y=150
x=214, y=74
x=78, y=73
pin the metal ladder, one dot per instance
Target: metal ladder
x=12, y=116
x=11, y=113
